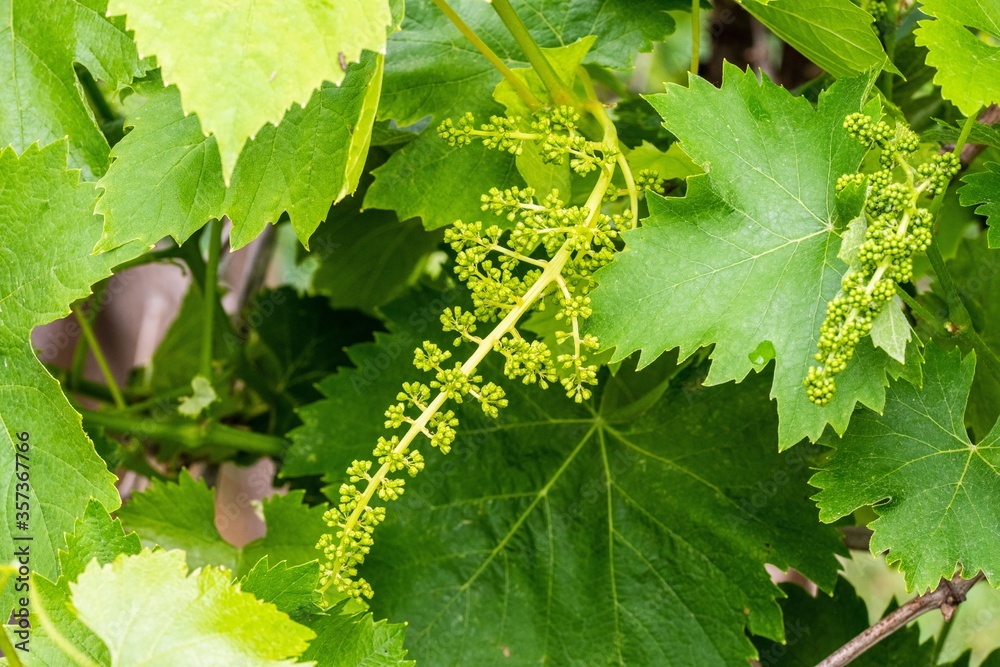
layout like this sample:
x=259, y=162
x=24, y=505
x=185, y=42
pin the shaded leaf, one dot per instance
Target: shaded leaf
x=344, y=639
x=290, y=589
x=372, y=256
x=573, y=534
x=837, y=35
x=154, y=514
x=293, y=528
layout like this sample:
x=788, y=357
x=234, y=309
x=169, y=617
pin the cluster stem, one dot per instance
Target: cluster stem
x=551, y=274
x=419, y=424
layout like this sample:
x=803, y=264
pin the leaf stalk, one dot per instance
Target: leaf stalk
x=208, y=303
x=517, y=84
x=695, y=36
x=557, y=89
x=186, y=433
x=102, y=361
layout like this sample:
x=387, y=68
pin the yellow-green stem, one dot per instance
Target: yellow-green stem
x=558, y=91
x=633, y=192
x=695, y=36
x=920, y=311
x=519, y=87
x=594, y=107
x=82, y=348
x=102, y=361
x=208, y=305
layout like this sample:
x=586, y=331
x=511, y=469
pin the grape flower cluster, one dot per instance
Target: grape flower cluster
x=897, y=228
x=542, y=253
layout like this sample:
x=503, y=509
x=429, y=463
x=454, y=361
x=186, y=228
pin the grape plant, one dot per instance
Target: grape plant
x=580, y=332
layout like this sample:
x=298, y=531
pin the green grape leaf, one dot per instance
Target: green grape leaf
x=153, y=514
x=837, y=35
x=891, y=331
x=982, y=190
x=344, y=639
x=563, y=516
x=750, y=254
x=290, y=589
x=293, y=528
x=310, y=160
x=277, y=54
x=371, y=256
x=926, y=480
x=295, y=342
x=166, y=177
x=48, y=228
x=817, y=626
x=431, y=70
x=968, y=67
x=95, y=535
x=438, y=183
x=150, y=611
x=42, y=98
x=96, y=538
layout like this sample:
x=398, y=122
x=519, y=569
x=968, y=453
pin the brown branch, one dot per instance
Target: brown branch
x=946, y=597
